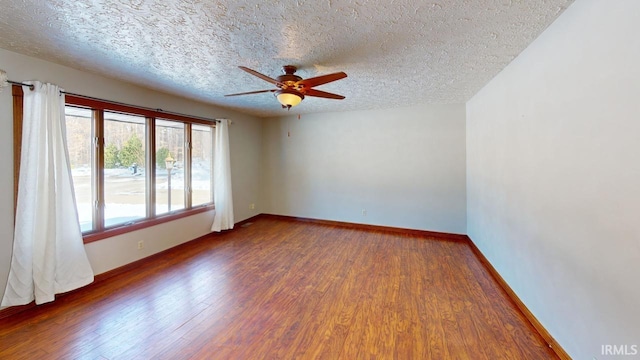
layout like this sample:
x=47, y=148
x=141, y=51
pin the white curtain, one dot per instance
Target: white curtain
x=222, y=197
x=48, y=253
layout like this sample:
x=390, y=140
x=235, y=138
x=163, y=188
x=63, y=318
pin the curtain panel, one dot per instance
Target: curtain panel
x=222, y=194
x=48, y=252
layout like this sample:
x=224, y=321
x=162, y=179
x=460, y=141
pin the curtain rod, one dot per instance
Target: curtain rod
x=21, y=84
x=31, y=87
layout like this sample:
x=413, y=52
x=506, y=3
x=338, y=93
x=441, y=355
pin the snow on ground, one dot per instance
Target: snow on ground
x=126, y=196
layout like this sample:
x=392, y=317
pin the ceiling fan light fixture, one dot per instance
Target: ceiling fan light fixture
x=289, y=98
x=291, y=88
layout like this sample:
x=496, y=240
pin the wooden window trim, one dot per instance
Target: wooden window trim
x=98, y=154
x=116, y=107
x=18, y=103
x=187, y=169
x=97, y=157
x=144, y=223
x=150, y=133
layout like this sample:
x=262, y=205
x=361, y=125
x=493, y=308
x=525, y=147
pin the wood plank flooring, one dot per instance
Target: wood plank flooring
x=281, y=289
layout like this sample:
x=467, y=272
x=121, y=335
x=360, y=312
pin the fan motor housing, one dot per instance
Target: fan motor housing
x=286, y=79
x=289, y=79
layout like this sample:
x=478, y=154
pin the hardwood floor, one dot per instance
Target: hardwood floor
x=281, y=289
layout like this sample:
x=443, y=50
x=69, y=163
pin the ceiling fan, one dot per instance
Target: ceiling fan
x=291, y=88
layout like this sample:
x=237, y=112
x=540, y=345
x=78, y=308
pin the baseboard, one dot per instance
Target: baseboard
x=369, y=227
x=12, y=310
x=553, y=344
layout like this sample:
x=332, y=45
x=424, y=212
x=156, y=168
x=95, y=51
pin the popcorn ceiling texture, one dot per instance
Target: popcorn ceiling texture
x=396, y=53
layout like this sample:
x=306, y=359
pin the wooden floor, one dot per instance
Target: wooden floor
x=282, y=289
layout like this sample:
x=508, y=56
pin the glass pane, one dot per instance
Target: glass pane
x=201, y=162
x=78, y=123
x=124, y=168
x=169, y=166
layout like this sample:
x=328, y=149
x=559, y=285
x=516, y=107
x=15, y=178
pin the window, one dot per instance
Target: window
x=201, y=164
x=170, y=174
x=79, y=144
x=123, y=168
x=132, y=167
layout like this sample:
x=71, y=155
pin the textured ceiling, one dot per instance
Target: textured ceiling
x=395, y=52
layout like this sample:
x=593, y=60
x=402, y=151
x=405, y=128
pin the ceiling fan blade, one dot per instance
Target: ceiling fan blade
x=322, y=94
x=252, y=92
x=261, y=76
x=319, y=80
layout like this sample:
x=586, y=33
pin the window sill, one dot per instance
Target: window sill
x=144, y=223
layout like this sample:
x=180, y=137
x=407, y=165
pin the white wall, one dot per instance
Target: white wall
x=404, y=166
x=245, y=138
x=553, y=176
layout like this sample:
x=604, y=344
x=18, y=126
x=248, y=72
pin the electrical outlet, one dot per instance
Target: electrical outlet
x=252, y=206
x=364, y=212
x=140, y=244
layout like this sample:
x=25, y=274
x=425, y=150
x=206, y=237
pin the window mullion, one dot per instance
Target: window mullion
x=213, y=139
x=97, y=167
x=187, y=166
x=150, y=170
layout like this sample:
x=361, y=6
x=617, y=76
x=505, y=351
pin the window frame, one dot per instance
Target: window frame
x=98, y=107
